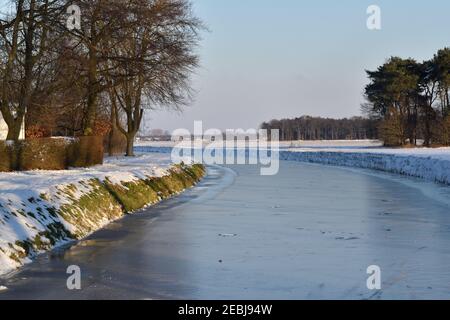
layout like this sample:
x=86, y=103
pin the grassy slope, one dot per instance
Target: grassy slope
x=88, y=206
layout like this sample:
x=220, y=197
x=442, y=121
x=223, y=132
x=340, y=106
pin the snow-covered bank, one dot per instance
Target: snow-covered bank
x=40, y=210
x=428, y=164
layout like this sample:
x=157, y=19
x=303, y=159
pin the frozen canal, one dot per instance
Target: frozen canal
x=309, y=232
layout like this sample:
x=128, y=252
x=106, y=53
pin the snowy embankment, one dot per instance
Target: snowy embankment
x=40, y=210
x=428, y=164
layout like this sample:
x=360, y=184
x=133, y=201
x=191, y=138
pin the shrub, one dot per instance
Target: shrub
x=115, y=143
x=51, y=153
x=441, y=132
x=36, y=131
x=5, y=157
x=42, y=154
x=85, y=152
x=102, y=128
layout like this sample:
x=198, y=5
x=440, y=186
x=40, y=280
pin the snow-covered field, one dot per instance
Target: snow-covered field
x=283, y=144
x=29, y=201
x=425, y=163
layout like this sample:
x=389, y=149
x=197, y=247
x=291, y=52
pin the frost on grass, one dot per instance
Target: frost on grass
x=41, y=210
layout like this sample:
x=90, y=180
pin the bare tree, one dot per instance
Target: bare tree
x=23, y=44
x=92, y=45
x=157, y=58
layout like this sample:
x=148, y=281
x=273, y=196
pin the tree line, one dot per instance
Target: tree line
x=411, y=100
x=316, y=128
x=92, y=67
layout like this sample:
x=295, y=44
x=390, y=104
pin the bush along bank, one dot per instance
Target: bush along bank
x=51, y=153
x=36, y=222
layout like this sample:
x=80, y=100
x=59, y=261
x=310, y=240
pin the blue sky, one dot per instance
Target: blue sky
x=265, y=59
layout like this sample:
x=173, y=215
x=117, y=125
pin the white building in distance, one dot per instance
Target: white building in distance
x=4, y=130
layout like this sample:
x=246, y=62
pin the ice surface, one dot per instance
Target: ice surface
x=309, y=232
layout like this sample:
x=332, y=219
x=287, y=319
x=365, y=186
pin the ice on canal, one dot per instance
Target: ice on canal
x=309, y=232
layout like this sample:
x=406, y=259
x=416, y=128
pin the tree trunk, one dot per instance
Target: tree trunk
x=14, y=129
x=447, y=98
x=112, y=132
x=91, y=111
x=130, y=144
x=429, y=120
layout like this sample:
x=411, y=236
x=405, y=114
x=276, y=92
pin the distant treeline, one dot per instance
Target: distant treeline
x=316, y=128
x=411, y=99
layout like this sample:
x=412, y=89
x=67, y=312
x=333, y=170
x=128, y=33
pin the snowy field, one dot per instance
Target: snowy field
x=426, y=163
x=283, y=144
x=28, y=199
